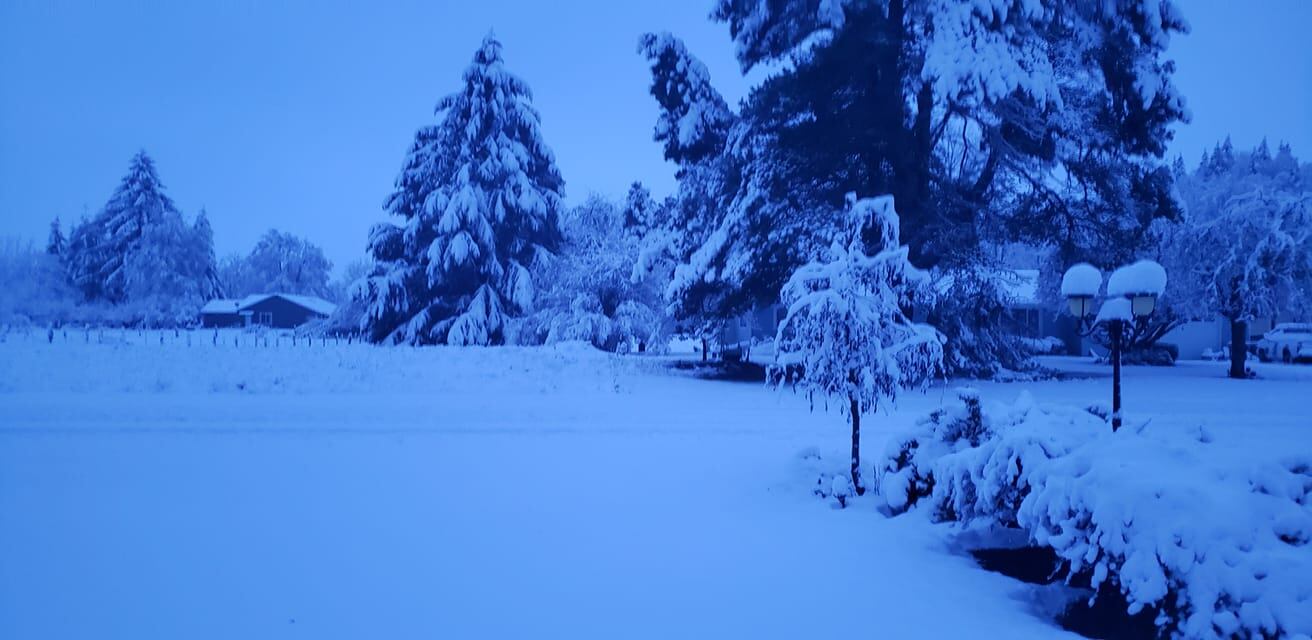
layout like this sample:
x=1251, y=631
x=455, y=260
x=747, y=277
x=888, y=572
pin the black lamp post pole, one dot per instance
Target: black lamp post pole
x=1115, y=326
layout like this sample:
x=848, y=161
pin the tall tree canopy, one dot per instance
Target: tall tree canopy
x=1244, y=247
x=989, y=122
x=279, y=263
x=479, y=196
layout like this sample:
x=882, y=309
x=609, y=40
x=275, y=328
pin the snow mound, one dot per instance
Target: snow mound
x=1144, y=276
x=1115, y=309
x=1217, y=551
x=1082, y=279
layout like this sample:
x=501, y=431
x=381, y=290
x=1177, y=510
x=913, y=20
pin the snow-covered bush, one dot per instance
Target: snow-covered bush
x=970, y=465
x=1217, y=552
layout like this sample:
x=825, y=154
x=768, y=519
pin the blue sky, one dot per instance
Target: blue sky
x=296, y=115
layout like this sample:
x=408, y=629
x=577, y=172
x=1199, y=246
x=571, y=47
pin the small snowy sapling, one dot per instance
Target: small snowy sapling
x=848, y=334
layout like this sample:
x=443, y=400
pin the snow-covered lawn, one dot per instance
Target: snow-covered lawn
x=169, y=491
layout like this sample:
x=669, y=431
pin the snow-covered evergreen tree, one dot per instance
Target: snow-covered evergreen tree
x=641, y=211
x=170, y=272
x=990, y=122
x=695, y=120
x=1244, y=248
x=56, y=243
x=138, y=203
x=480, y=198
x=847, y=335
x=202, y=260
x=139, y=249
x=83, y=258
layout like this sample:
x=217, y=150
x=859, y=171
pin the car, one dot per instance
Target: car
x=1287, y=342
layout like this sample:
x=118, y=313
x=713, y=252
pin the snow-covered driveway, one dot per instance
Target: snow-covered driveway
x=356, y=492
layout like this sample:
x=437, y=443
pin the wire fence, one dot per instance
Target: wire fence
x=247, y=338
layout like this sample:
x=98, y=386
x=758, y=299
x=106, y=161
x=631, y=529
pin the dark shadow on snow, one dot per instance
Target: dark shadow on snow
x=1106, y=618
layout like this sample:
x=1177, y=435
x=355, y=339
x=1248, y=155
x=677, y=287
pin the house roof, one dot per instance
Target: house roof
x=315, y=304
x=221, y=306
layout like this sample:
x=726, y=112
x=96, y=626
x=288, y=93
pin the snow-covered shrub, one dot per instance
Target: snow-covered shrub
x=1217, y=552
x=970, y=464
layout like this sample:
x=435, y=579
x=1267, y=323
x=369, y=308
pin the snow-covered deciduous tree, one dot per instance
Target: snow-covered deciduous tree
x=1244, y=249
x=36, y=290
x=847, y=334
x=279, y=263
x=589, y=292
x=480, y=199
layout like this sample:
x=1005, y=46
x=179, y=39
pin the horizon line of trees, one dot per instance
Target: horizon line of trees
x=140, y=262
x=1049, y=141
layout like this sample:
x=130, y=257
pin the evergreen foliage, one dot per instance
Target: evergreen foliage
x=479, y=197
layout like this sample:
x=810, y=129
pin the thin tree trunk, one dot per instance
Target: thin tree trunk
x=855, y=410
x=1238, y=348
x=1117, y=329
x=704, y=354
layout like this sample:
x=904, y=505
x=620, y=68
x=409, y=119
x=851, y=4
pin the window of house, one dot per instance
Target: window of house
x=266, y=318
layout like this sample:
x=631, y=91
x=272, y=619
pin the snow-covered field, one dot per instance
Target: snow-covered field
x=175, y=491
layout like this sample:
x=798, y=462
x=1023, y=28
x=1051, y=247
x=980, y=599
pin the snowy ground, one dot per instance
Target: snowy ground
x=174, y=491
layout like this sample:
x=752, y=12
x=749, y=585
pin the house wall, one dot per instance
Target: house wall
x=758, y=323
x=285, y=313
x=1193, y=338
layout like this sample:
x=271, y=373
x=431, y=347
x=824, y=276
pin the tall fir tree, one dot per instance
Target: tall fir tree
x=140, y=249
x=480, y=199
x=137, y=204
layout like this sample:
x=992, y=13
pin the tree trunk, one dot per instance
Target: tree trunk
x=1117, y=329
x=855, y=410
x=1238, y=348
x=704, y=354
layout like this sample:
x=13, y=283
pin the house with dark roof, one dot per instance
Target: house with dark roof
x=273, y=310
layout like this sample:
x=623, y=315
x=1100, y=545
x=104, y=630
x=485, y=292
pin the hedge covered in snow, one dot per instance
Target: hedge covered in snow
x=1217, y=552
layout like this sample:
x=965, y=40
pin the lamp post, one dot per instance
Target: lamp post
x=1132, y=293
